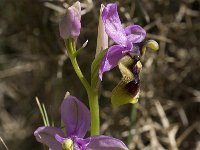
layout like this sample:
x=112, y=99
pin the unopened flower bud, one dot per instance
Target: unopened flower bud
x=70, y=24
x=102, y=38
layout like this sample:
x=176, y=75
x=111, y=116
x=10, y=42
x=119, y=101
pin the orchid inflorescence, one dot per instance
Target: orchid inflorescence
x=126, y=54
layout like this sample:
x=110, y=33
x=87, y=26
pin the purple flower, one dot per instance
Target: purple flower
x=76, y=118
x=70, y=25
x=127, y=39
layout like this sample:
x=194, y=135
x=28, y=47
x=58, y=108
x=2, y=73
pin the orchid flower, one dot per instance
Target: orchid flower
x=70, y=24
x=127, y=39
x=76, y=118
x=131, y=45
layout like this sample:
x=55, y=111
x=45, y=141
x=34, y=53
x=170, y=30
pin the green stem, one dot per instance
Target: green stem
x=92, y=94
x=94, y=110
x=132, y=123
x=72, y=56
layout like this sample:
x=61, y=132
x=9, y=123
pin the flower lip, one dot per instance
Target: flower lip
x=133, y=87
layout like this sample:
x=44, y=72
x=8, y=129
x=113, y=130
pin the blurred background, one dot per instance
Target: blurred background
x=32, y=63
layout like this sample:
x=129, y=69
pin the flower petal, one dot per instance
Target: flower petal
x=46, y=135
x=70, y=24
x=111, y=58
x=60, y=139
x=105, y=143
x=135, y=33
x=75, y=116
x=113, y=24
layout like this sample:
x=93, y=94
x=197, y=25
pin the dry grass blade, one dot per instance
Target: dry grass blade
x=55, y=7
x=185, y=134
x=17, y=70
x=4, y=144
x=171, y=133
x=155, y=144
x=159, y=37
x=183, y=116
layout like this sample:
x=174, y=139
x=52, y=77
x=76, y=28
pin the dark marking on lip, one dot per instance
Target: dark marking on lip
x=133, y=87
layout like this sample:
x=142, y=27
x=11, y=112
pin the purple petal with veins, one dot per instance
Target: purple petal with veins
x=46, y=135
x=135, y=33
x=104, y=143
x=113, y=24
x=110, y=60
x=59, y=138
x=76, y=117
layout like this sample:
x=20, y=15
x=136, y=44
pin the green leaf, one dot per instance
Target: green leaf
x=95, y=68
